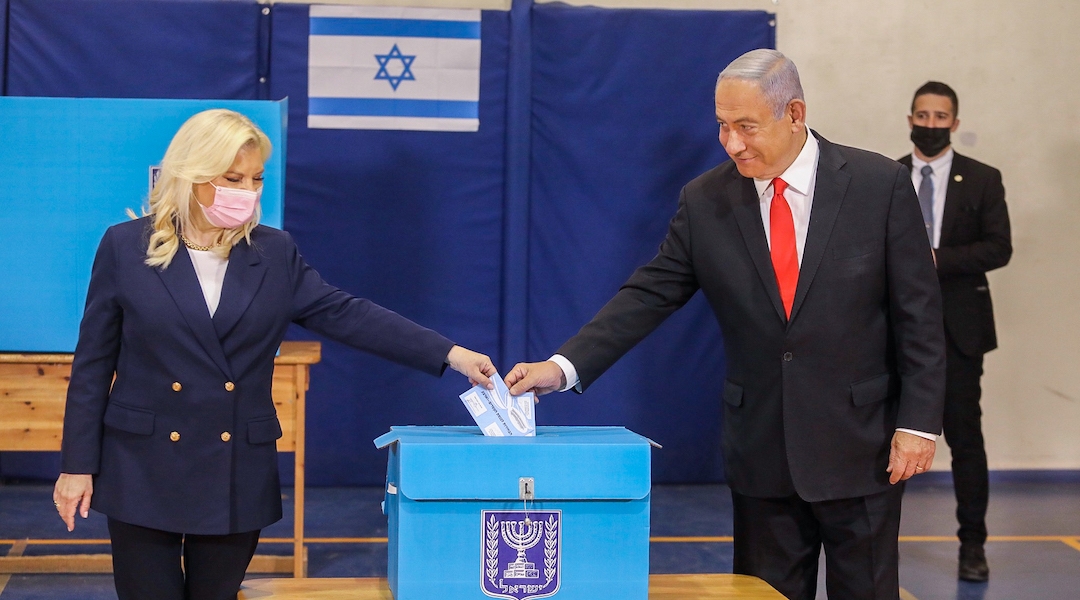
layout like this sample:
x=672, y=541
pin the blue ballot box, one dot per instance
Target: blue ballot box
x=564, y=514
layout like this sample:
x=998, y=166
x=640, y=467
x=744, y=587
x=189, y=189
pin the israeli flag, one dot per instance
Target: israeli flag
x=394, y=68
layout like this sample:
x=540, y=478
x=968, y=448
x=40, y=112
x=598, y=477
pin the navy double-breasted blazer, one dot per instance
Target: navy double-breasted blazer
x=810, y=403
x=184, y=438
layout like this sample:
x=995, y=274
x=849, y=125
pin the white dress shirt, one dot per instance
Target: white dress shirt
x=210, y=269
x=801, y=177
x=941, y=166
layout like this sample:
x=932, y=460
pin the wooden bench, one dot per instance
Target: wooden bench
x=707, y=586
x=33, y=390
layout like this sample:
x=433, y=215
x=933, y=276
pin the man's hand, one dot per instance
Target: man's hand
x=477, y=367
x=540, y=377
x=71, y=492
x=910, y=455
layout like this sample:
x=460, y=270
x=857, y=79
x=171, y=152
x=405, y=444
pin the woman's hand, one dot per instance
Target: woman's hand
x=477, y=367
x=73, y=492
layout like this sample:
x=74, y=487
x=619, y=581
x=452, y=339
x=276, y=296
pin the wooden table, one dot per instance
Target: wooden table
x=33, y=390
x=709, y=586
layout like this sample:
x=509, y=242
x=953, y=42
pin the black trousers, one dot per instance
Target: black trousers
x=963, y=433
x=146, y=563
x=780, y=539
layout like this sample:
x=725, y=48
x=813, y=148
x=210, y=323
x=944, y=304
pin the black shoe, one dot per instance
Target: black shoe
x=973, y=565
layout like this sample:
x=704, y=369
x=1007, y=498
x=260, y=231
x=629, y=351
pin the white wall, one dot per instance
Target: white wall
x=1014, y=66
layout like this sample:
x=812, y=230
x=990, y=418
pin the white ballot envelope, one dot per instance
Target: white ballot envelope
x=498, y=413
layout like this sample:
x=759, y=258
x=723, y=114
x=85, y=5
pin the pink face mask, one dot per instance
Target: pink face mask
x=232, y=207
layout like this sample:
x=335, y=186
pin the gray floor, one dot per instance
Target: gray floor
x=1034, y=517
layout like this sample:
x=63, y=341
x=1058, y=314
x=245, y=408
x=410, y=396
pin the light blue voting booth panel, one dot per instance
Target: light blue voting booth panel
x=70, y=168
x=457, y=528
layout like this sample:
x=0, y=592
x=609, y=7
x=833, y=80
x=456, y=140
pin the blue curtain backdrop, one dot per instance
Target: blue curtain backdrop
x=135, y=48
x=3, y=44
x=620, y=124
x=506, y=240
x=409, y=219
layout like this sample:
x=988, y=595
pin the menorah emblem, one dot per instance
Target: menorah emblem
x=521, y=536
x=520, y=553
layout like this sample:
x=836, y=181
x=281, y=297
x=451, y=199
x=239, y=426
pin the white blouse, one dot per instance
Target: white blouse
x=210, y=269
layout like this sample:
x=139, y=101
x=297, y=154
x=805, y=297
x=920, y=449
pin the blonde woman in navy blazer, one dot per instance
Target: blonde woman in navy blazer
x=179, y=450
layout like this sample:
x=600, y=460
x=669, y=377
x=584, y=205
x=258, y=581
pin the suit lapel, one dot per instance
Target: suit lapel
x=829, y=190
x=183, y=285
x=954, y=189
x=747, y=209
x=242, y=280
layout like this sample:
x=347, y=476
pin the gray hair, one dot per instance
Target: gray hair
x=774, y=73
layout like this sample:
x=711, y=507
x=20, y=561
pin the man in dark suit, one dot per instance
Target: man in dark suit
x=967, y=223
x=814, y=260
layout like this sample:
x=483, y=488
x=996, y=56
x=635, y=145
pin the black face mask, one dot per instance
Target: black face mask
x=930, y=140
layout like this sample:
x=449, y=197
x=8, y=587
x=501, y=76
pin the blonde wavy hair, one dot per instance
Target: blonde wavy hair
x=203, y=149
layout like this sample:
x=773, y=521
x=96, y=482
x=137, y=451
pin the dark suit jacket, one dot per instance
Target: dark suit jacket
x=179, y=370
x=975, y=238
x=810, y=405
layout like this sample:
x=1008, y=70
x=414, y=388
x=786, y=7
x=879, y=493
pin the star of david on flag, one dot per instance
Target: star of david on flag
x=393, y=68
x=406, y=63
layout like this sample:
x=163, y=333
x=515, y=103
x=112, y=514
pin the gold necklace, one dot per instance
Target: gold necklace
x=194, y=246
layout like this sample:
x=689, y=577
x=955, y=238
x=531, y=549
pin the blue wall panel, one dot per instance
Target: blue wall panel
x=83, y=163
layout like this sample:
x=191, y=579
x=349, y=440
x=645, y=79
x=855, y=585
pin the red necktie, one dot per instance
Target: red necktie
x=785, y=260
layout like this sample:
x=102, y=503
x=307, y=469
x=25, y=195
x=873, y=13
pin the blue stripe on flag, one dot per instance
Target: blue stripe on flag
x=394, y=107
x=395, y=27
